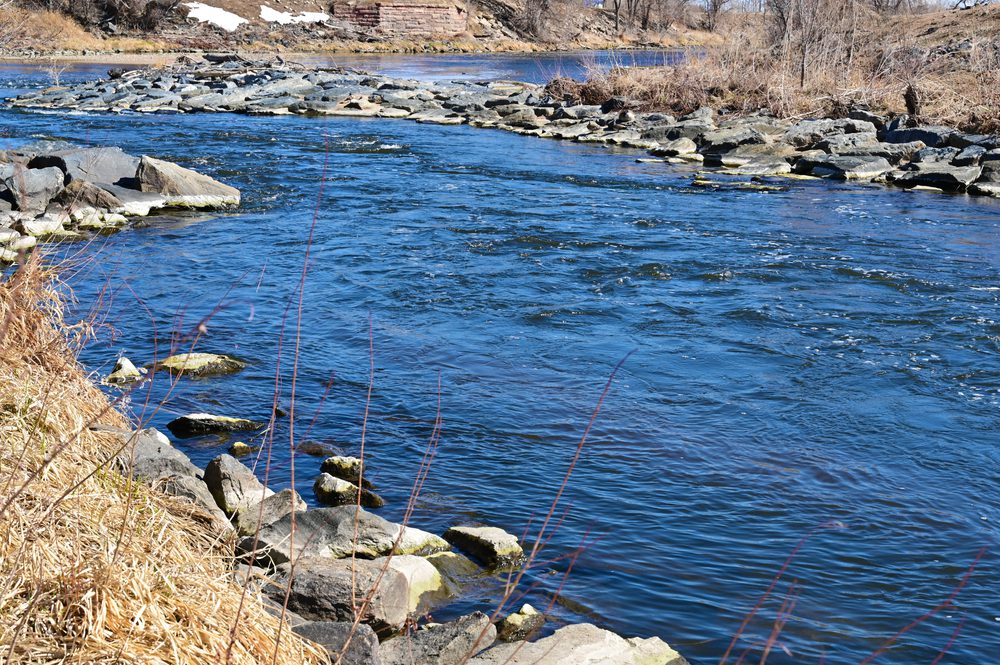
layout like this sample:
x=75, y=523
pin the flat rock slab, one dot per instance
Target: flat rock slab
x=183, y=187
x=96, y=165
x=202, y=364
x=451, y=643
x=493, y=546
x=203, y=424
x=582, y=644
x=330, y=533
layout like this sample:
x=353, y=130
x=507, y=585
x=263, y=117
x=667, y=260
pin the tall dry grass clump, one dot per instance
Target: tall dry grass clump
x=94, y=567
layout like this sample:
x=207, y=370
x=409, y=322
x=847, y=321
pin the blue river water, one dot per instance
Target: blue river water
x=823, y=354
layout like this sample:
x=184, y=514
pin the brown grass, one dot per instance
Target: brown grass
x=93, y=567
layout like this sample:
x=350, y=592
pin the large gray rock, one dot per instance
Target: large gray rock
x=332, y=589
x=807, y=133
x=124, y=371
x=424, y=584
x=345, y=468
x=724, y=140
x=33, y=189
x=582, y=644
x=493, y=546
x=203, y=424
x=892, y=152
x=931, y=135
x=233, y=485
x=330, y=532
x=149, y=455
x=82, y=194
x=332, y=491
x=194, y=490
x=96, y=165
x=845, y=143
x=841, y=167
x=269, y=510
x=183, y=187
x=134, y=202
x=681, y=146
x=451, y=643
x=937, y=174
x=345, y=642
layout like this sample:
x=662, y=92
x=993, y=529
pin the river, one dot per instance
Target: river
x=823, y=354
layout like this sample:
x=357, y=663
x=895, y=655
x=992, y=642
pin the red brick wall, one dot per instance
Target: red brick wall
x=404, y=19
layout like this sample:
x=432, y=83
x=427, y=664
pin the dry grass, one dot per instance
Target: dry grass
x=854, y=60
x=93, y=567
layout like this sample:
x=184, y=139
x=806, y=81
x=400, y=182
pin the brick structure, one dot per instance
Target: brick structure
x=404, y=18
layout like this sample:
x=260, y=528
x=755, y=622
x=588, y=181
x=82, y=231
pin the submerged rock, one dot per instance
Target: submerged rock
x=493, y=546
x=202, y=424
x=202, y=364
x=521, y=624
x=338, y=492
x=346, y=468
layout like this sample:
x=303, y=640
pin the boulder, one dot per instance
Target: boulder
x=807, y=133
x=424, y=584
x=149, y=456
x=134, y=202
x=330, y=532
x=724, y=140
x=33, y=189
x=493, y=546
x=194, y=490
x=892, y=152
x=329, y=589
x=95, y=165
x=521, y=625
x=963, y=140
x=201, y=364
x=183, y=187
x=451, y=643
x=932, y=136
x=681, y=146
x=45, y=225
x=241, y=449
x=941, y=175
x=203, y=424
x=970, y=156
x=332, y=491
x=841, y=167
x=842, y=143
x=234, y=486
x=763, y=166
x=360, y=641
x=582, y=644
x=124, y=372
x=456, y=570
x=944, y=154
x=8, y=236
x=82, y=194
x=345, y=468
x=267, y=511
x=21, y=244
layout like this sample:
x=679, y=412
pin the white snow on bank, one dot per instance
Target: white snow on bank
x=214, y=15
x=285, y=18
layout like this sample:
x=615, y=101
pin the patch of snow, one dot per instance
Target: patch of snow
x=285, y=18
x=214, y=15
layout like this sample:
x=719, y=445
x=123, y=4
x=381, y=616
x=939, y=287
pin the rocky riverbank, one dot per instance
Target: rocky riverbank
x=330, y=566
x=862, y=146
x=57, y=191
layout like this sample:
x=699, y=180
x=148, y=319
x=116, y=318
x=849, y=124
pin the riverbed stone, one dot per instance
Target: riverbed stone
x=82, y=194
x=233, y=485
x=582, y=644
x=133, y=201
x=681, y=146
x=457, y=571
x=124, y=371
x=451, y=643
x=424, y=583
x=520, y=625
x=931, y=135
x=204, y=424
x=330, y=533
x=937, y=174
x=324, y=589
x=108, y=165
x=764, y=166
x=339, y=492
x=360, y=640
x=842, y=143
x=33, y=189
x=724, y=140
x=267, y=511
x=183, y=187
x=202, y=364
x=491, y=545
x=841, y=167
x=346, y=468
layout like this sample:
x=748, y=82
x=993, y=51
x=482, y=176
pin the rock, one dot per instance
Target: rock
x=615, y=104
x=203, y=424
x=124, y=372
x=241, y=449
x=841, y=167
x=892, y=152
x=493, y=546
x=985, y=188
x=94, y=165
x=233, y=485
x=330, y=532
x=134, y=202
x=424, y=583
x=33, y=189
x=842, y=143
x=338, y=492
x=361, y=641
x=970, y=156
x=22, y=243
x=764, y=166
x=932, y=136
x=325, y=589
x=868, y=116
x=521, y=624
x=194, y=490
x=937, y=174
x=963, y=140
x=681, y=146
x=451, y=643
x=582, y=644
x=807, y=133
x=183, y=187
x=202, y=364
x=724, y=140
x=8, y=236
x=524, y=117
x=936, y=155
x=150, y=456
x=345, y=468
x=271, y=509
x=82, y=194
x=456, y=570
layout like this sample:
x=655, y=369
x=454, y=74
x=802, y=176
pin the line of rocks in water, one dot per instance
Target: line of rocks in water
x=863, y=146
x=340, y=554
x=54, y=190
